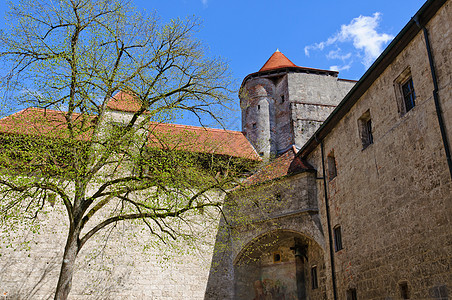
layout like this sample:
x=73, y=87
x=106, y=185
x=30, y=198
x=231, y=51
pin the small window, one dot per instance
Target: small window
x=278, y=197
x=331, y=161
x=408, y=94
x=351, y=294
x=404, y=290
x=314, y=280
x=282, y=99
x=439, y=292
x=405, y=93
x=254, y=125
x=337, y=238
x=258, y=107
x=365, y=130
x=276, y=257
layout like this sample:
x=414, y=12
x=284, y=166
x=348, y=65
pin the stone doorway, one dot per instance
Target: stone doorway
x=275, y=266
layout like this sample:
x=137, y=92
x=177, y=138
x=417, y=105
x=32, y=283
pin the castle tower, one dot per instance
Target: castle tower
x=284, y=104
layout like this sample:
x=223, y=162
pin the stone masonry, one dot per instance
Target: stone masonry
x=355, y=207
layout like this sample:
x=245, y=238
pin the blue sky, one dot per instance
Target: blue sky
x=325, y=34
x=246, y=33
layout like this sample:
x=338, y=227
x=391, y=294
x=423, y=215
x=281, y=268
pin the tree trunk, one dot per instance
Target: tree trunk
x=67, y=267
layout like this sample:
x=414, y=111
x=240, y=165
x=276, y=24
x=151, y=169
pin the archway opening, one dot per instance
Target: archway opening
x=277, y=266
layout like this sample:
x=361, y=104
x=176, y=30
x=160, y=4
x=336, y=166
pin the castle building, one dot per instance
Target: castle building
x=353, y=201
x=363, y=210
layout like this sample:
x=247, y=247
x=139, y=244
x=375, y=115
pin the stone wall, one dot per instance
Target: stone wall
x=123, y=262
x=392, y=198
x=313, y=97
x=263, y=221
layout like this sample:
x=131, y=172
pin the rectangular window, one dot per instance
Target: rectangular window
x=337, y=238
x=365, y=130
x=331, y=161
x=314, y=280
x=404, y=291
x=408, y=94
x=439, y=293
x=405, y=93
x=351, y=294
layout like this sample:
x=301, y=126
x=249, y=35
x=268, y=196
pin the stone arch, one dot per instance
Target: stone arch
x=274, y=235
x=276, y=265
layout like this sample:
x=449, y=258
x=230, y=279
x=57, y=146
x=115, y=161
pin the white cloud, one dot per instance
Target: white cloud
x=205, y=2
x=337, y=54
x=362, y=32
x=320, y=46
x=340, y=68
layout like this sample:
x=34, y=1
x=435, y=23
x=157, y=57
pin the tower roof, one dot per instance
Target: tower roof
x=276, y=61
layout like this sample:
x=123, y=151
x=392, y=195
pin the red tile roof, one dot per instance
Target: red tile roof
x=286, y=164
x=201, y=139
x=52, y=123
x=277, y=61
x=124, y=101
x=189, y=138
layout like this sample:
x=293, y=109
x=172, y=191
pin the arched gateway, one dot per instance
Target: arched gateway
x=271, y=243
x=281, y=264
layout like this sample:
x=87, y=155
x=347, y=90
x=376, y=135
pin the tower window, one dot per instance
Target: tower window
x=337, y=238
x=404, y=290
x=258, y=107
x=254, y=125
x=365, y=130
x=314, y=280
x=282, y=99
x=351, y=294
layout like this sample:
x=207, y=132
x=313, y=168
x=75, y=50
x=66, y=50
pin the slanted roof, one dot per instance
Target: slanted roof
x=201, y=140
x=52, y=123
x=123, y=101
x=35, y=121
x=277, y=61
x=284, y=165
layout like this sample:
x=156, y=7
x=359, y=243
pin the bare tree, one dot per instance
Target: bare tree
x=71, y=58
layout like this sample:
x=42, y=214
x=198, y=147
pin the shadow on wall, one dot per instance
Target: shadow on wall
x=28, y=274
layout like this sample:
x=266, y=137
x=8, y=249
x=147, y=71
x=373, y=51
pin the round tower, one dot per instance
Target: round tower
x=260, y=99
x=284, y=104
x=256, y=101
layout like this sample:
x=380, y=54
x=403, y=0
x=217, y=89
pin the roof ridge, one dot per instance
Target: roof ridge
x=200, y=127
x=157, y=123
x=17, y=112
